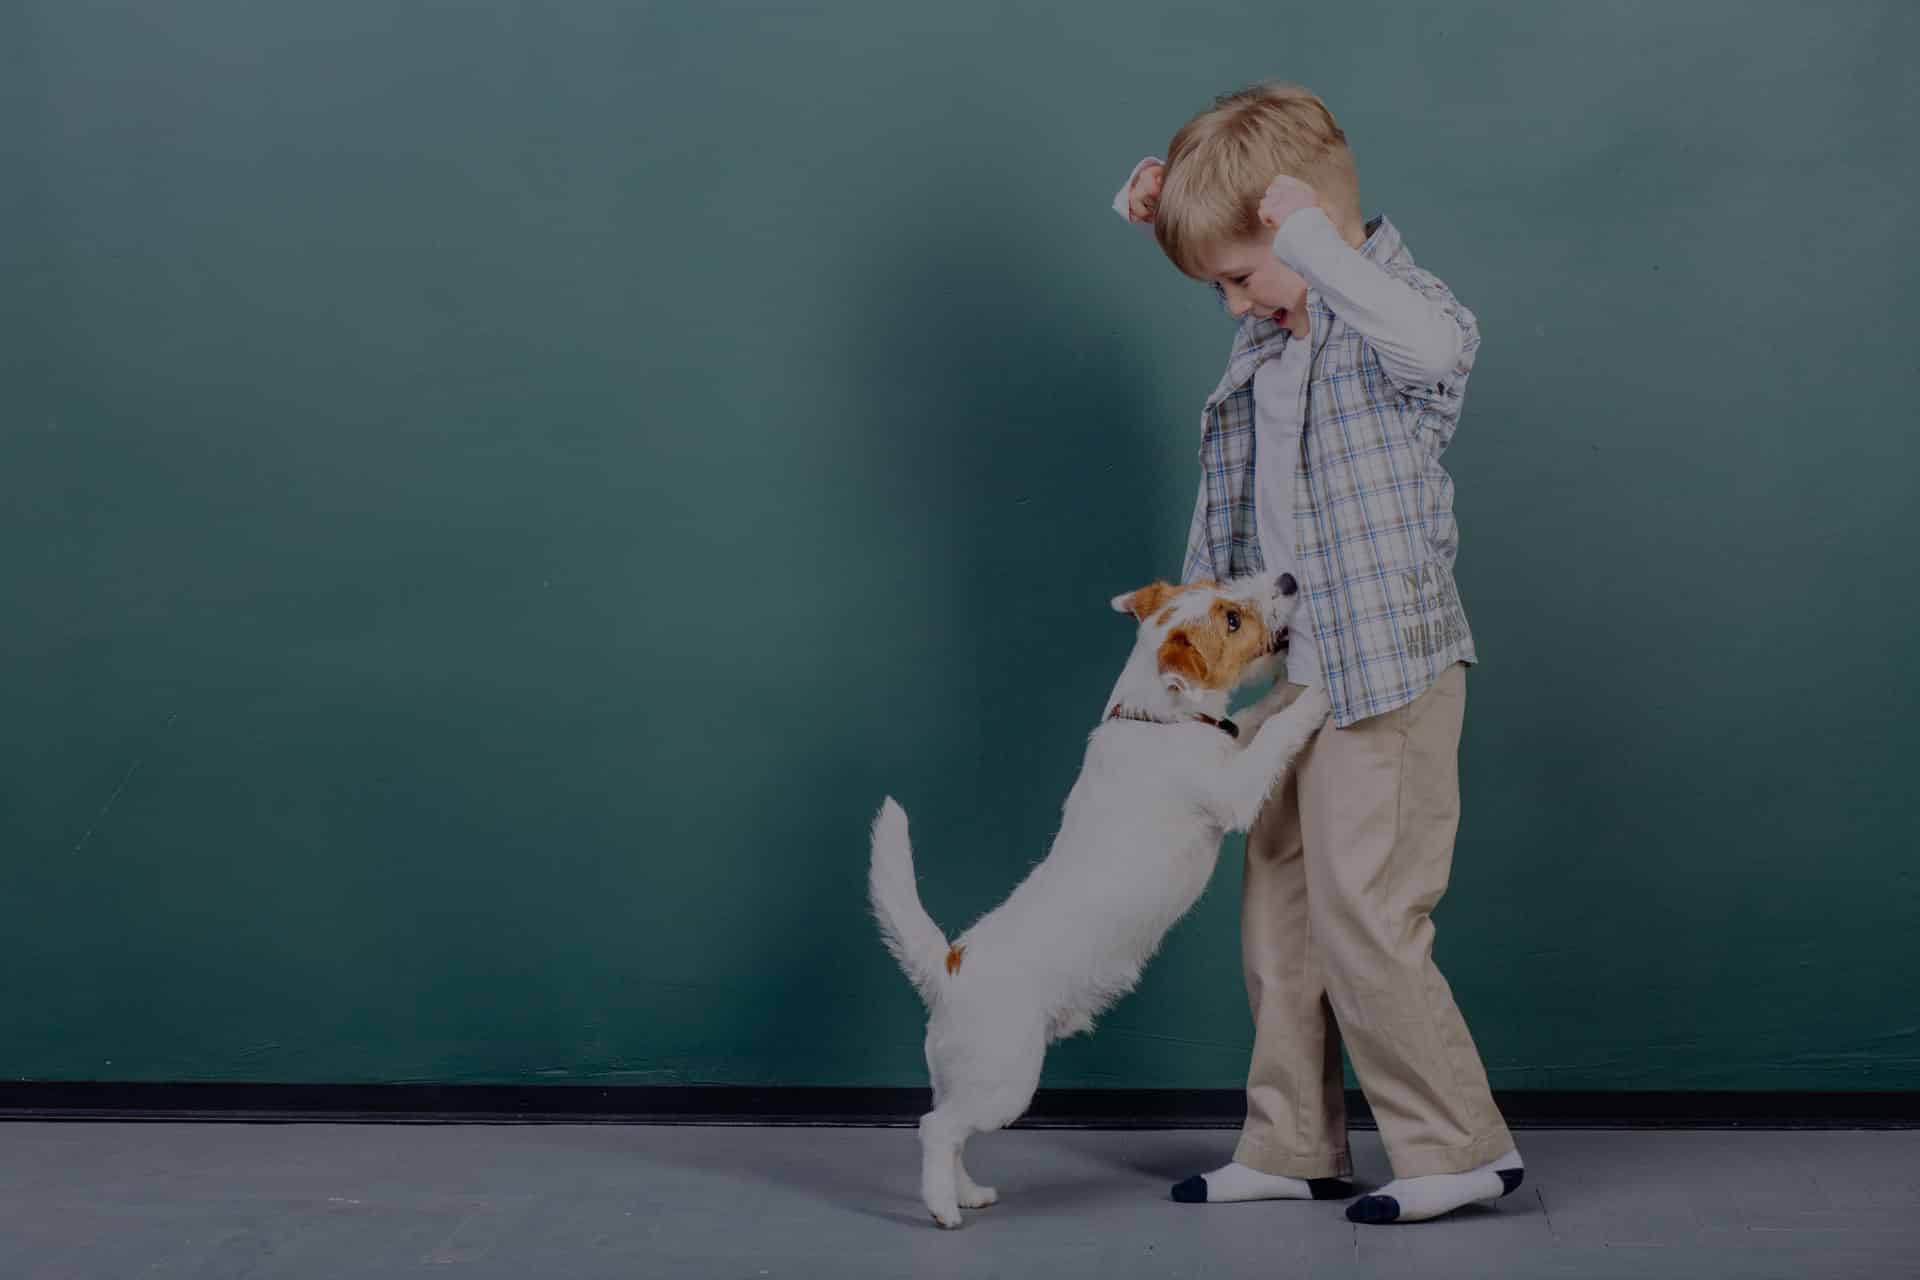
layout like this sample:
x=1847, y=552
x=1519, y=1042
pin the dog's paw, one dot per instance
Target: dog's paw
x=948, y=1218
x=978, y=1197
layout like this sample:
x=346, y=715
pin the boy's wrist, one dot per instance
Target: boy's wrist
x=1291, y=238
x=1308, y=241
x=1284, y=197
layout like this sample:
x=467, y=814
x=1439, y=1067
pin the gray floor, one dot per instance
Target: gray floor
x=579, y=1202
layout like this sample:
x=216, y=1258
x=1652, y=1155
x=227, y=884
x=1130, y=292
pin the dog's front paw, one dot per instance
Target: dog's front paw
x=947, y=1216
x=1270, y=704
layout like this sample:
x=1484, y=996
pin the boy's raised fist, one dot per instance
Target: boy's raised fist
x=1143, y=195
x=1285, y=196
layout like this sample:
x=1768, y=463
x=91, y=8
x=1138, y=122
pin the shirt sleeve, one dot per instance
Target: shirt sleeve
x=1418, y=342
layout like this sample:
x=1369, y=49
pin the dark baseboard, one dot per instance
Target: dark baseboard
x=811, y=1105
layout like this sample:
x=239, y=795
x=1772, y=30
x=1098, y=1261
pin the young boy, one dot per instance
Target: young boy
x=1344, y=385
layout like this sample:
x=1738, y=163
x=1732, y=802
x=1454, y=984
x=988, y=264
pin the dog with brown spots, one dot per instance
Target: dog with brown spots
x=1165, y=776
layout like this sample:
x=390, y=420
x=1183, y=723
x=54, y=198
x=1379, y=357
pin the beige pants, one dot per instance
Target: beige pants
x=1343, y=867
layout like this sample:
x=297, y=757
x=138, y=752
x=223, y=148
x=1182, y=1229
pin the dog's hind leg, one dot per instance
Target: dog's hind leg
x=1007, y=1094
x=942, y=1131
x=989, y=1091
x=971, y=1194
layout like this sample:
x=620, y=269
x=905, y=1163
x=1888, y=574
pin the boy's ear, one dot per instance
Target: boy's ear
x=1144, y=601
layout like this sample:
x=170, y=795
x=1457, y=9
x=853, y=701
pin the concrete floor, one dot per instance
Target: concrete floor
x=566, y=1202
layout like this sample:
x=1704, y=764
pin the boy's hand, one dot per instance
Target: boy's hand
x=1285, y=196
x=1143, y=195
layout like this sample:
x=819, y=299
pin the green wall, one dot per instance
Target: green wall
x=494, y=495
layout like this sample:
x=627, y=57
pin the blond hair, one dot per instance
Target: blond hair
x=1219, y=165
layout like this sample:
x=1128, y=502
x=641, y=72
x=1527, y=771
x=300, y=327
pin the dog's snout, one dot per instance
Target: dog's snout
x=1287, y=585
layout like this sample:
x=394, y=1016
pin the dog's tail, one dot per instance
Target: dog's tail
x=909, y=932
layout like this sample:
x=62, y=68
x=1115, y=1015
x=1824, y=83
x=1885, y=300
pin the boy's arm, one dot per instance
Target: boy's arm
x=1423, y=336
x=1421, y=341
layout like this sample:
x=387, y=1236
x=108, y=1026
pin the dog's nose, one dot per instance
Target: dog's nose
x=1287, y=585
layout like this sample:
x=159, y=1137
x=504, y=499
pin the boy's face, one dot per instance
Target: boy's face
x=1257, y=281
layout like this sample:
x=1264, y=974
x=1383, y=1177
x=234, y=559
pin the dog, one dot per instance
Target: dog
x=1165, y=776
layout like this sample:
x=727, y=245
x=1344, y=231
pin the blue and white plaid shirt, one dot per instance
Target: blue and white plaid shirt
x=1372, y=506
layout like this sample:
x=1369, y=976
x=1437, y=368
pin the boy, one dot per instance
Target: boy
x=1344, y=384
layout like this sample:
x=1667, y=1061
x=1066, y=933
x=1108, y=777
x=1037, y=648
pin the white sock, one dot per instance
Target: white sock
x=1235, y=1182
x=1417, y=1199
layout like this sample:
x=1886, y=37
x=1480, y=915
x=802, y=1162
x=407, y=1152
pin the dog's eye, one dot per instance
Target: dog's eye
x=1233, y=619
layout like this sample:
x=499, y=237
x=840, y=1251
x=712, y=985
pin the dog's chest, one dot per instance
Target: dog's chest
x=1145, y=850
x=1154, y=773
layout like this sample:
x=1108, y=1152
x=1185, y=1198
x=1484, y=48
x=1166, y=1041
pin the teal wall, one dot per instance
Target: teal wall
x=494, y=494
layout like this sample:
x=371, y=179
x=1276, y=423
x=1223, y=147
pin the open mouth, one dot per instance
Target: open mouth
x=1278, y=642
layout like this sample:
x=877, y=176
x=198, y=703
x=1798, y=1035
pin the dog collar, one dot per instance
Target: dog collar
x=1223, y=724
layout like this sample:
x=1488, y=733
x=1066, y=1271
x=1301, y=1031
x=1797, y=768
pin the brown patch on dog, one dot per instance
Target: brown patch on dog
x=1150, y=597
x=953, y=959
x=1145, y=600
x=1211, y=650
x=1177, y=653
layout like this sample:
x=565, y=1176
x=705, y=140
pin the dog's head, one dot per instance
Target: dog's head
x=1210, y=637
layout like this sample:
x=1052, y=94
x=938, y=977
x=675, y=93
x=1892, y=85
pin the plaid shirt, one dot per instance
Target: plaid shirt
x=1372, y=506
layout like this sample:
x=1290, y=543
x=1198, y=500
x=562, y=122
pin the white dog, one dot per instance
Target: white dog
x=1165, y=776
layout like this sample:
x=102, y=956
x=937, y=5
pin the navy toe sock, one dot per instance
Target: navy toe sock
x=1374, y=1210
x=1235, y=1183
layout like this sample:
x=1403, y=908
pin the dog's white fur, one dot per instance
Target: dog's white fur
x=1138, y=840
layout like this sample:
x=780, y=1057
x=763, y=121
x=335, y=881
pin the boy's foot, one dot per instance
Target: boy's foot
x=1235, y=1182
x=1417, y=1199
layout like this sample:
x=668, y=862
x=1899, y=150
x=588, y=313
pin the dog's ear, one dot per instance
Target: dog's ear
x=1144, y=601
x=1178, y=657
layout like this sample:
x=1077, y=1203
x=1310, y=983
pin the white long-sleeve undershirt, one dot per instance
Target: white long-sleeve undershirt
x=1417, y=341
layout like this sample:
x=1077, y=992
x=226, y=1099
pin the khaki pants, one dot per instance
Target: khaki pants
x=1343, y=867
